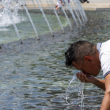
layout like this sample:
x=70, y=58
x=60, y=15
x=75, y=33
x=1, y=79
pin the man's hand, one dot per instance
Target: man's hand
x=85, y=77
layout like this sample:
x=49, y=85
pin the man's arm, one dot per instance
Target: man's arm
x=106, y=101
x=99, y=83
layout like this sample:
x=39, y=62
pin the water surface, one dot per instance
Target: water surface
x=33, y=75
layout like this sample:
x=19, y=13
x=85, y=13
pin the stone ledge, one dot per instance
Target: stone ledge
x=85, y=6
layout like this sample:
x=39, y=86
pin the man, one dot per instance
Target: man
x=58, y=6
x=90, y=59
x=62, y=3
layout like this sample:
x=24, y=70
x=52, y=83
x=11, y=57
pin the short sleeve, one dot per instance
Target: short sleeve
x=105, y=63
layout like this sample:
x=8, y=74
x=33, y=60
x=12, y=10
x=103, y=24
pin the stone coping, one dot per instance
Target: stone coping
x=93, y=5
x=86, y=6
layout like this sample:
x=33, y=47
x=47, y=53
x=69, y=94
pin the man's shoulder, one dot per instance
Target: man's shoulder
x=105, y=46
x=106, y=42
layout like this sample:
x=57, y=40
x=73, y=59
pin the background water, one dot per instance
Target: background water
x=8, y=33
x=33, y=75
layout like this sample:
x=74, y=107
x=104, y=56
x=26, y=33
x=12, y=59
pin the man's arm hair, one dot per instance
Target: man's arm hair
x=99, y=83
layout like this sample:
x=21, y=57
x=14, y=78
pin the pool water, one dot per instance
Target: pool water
x=34, y=77
x=24, y=26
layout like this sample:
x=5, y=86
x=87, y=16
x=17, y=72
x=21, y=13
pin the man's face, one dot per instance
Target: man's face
x=88, y=66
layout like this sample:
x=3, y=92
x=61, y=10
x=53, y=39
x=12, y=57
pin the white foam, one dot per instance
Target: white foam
x=6, y=21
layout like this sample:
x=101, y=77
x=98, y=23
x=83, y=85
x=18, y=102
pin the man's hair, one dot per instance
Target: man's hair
x=78, y=50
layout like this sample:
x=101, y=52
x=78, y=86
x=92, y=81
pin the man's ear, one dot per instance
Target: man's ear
x=88, y=58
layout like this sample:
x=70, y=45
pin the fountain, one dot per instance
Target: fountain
x=7, y=10
x=12, y=7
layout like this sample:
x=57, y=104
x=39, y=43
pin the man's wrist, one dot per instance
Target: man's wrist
x=94, y=80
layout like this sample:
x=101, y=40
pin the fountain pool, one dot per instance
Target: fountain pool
x=8, y=33
x=33, y=75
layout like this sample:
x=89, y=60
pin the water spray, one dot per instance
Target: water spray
x=71, y=11
x=57, y=16
x=81, y=88
x=45, y=17
x=66, y=15
x=31, y=21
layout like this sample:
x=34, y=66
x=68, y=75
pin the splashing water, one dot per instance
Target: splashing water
x=6, y=21
x=80, y=87
x=74, y=77
x=5, y=13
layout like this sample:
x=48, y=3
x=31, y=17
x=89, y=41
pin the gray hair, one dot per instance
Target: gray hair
x=78, y=50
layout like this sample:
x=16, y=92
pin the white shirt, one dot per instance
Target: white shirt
x=104, y=56
x=59, y=4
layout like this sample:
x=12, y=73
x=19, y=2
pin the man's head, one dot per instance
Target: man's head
x=84, y=56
